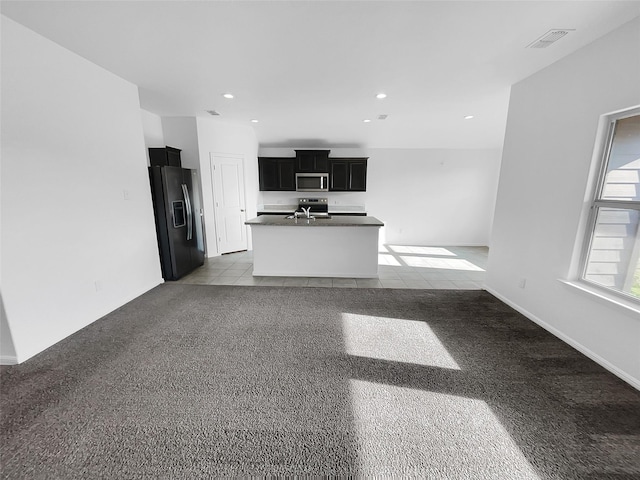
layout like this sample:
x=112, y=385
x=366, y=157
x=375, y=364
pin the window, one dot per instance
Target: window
x=612, y=253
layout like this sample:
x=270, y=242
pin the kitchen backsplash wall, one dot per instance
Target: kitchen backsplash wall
x=335, y=198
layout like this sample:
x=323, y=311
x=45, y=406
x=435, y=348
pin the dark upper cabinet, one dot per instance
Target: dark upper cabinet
x=348, y=174
x=312, y=161
x=268, y=173
x=358, y=175
x=277, y=174
x=339, y=175
x=345, y=174
x=287, y=174
x=165, y=157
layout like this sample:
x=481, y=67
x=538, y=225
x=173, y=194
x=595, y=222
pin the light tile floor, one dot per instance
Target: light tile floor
x=400, y=266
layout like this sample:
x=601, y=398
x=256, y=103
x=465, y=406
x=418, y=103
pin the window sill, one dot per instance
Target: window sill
x=627, y=306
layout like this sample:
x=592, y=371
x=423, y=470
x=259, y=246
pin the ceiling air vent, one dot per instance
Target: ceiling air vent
x=382, y=117
x=213, y=112
x=548, y=38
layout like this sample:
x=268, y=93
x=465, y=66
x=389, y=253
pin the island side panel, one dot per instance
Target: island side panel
x=284, y=251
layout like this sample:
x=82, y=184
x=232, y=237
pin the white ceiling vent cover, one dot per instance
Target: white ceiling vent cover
x=383, y=116
x=212, y=112
x=550, y=37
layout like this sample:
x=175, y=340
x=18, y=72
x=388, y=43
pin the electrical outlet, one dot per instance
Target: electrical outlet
x=126, y=195
x=98, y=285
x=522, y=283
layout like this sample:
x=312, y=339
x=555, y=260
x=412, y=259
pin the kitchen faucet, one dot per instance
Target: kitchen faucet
x=306, y=211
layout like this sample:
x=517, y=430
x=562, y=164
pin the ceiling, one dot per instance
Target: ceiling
x=309, y=71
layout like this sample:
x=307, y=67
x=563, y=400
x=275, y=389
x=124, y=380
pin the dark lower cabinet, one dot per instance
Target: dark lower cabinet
x=348, y=175
x=277, y=174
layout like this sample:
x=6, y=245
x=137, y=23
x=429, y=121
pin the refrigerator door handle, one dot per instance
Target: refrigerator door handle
x=187, y=201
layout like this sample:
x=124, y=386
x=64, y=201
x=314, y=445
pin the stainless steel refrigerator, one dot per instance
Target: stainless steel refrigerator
x=178, y=224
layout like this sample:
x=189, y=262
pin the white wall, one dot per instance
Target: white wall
x=546, y=165
x=78, y=236
x=152, y=130
x=434, y=197
x=424, y=196
x=217, y=136
x=181, y=132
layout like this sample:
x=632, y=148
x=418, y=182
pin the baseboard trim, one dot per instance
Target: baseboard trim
x=634, y=382
x=8, y=360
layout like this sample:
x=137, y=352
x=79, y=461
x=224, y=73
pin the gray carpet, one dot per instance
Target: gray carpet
x=193, y=381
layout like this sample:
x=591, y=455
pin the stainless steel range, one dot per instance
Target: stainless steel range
x=318, y=207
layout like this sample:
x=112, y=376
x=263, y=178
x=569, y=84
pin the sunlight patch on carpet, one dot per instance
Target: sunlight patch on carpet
x=411, y=432
x=394, y=339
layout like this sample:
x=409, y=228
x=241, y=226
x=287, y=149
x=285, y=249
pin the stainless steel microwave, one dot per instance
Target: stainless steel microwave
x=312, y=182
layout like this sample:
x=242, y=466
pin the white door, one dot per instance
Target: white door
x=228, y=198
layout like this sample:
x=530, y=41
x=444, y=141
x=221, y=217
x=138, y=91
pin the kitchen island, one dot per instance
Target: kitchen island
x=334, y=246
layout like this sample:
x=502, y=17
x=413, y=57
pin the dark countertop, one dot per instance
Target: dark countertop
x=336, y=221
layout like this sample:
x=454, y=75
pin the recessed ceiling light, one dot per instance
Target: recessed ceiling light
x=253, y=120
x=227, y=95
x=366, y=120
x=468, y=117
x=381, y=95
